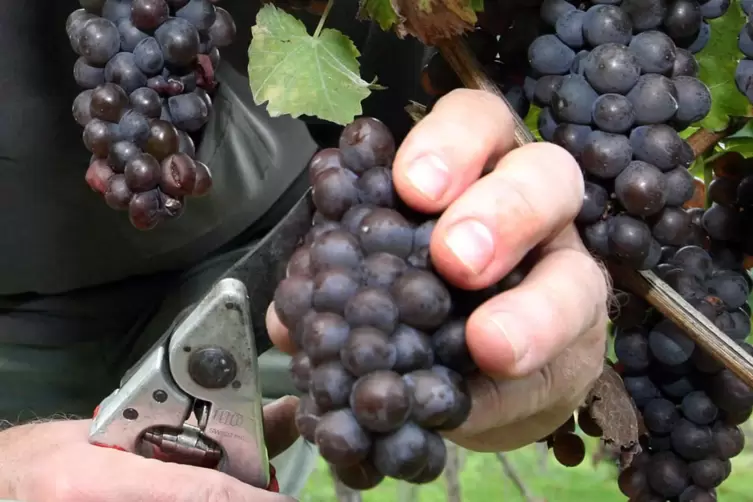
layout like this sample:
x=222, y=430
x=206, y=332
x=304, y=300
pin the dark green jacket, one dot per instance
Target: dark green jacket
x=56, y=235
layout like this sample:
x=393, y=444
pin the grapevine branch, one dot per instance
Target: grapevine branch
x=645, y=284
x=704, y=140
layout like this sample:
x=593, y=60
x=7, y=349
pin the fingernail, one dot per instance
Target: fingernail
x=472, y=243
x=430, y=176
x=506, y=324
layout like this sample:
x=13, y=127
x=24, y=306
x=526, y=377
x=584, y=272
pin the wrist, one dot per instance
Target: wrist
x=9, y=475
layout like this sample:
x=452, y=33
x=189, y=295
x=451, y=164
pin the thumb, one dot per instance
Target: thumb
x=280, y=431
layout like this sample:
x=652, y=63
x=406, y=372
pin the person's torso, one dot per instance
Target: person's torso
x=57, y=235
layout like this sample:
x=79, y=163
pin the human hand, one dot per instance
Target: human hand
x=539, y=345
x=53, y=462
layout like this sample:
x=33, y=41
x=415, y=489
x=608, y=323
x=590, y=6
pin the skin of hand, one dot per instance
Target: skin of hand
x=53, y=462
x=540, y=346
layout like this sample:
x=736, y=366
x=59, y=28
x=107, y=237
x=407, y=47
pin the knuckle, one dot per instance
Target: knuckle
x=516, y=214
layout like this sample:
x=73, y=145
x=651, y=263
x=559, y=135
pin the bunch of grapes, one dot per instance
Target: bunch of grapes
x=616, y=80
x=616, y=104
x=147, y=67
x=499, y=43
x=744, y=72
x=382, y=355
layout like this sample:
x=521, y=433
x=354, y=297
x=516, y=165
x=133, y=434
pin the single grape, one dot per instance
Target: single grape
x=367, y=350
x=641, y=189
x=97, y=41
x=142, y=173
x=163, y=140
x=550, y=56
x=335, y=191
x=179, y=40
x=366, y=142
x=612, y=68
x=613, y=113
x=147, y=102
x=118, y=196
x=340, y=438
x=604, y=24
x=123, y=70
x=200, y=13
x=422, y=300
x=222, y=32
x=145, y=209
x=402, y=454
x=82, y=107
x=381, y=401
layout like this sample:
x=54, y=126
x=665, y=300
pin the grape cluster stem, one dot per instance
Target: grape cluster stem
x=704, y=140
x=645, y=284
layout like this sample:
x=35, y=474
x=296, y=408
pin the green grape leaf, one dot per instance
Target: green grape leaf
x=718, y=61
x=741, y=141
x=743, y=146
x=298, y=74
x=477, y=5
x=380, y=11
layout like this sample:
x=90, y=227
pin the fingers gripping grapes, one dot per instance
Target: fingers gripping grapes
x=390, y=315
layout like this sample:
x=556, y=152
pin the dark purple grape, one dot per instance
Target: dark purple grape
x=340, y=438
x=145, y=210
x=413, y=349
x=82, y=107
x=292, y=299
x=641, y=189
x=203, y=180
x=372, y=307
x=148, y=58
x=367, y=350
x=386, y=230
x=667, y=474
x=376, y=187
x=118, y=196
x=98, y=136
x=403, y=454
x=108, y=102
x=142, y=173
x=134, y=127
x=97, y=41
x=122, y=70
x=381, y=401
x=422, y=300
x=450, y=348
x=365, y=143
x=179, y=40
x=147, y=102
x=325, y=334
x=334, y=192
x=87, y=76
x=163, y=140
x=331, y=386
x=130, y=35
x=222, y=31
x=200, y=13
x=434, y=399
x=178, y=177
x=360, y=476
x=121, y=153
x=148, y=15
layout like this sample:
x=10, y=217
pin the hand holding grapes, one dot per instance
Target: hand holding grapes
x=539, y=345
